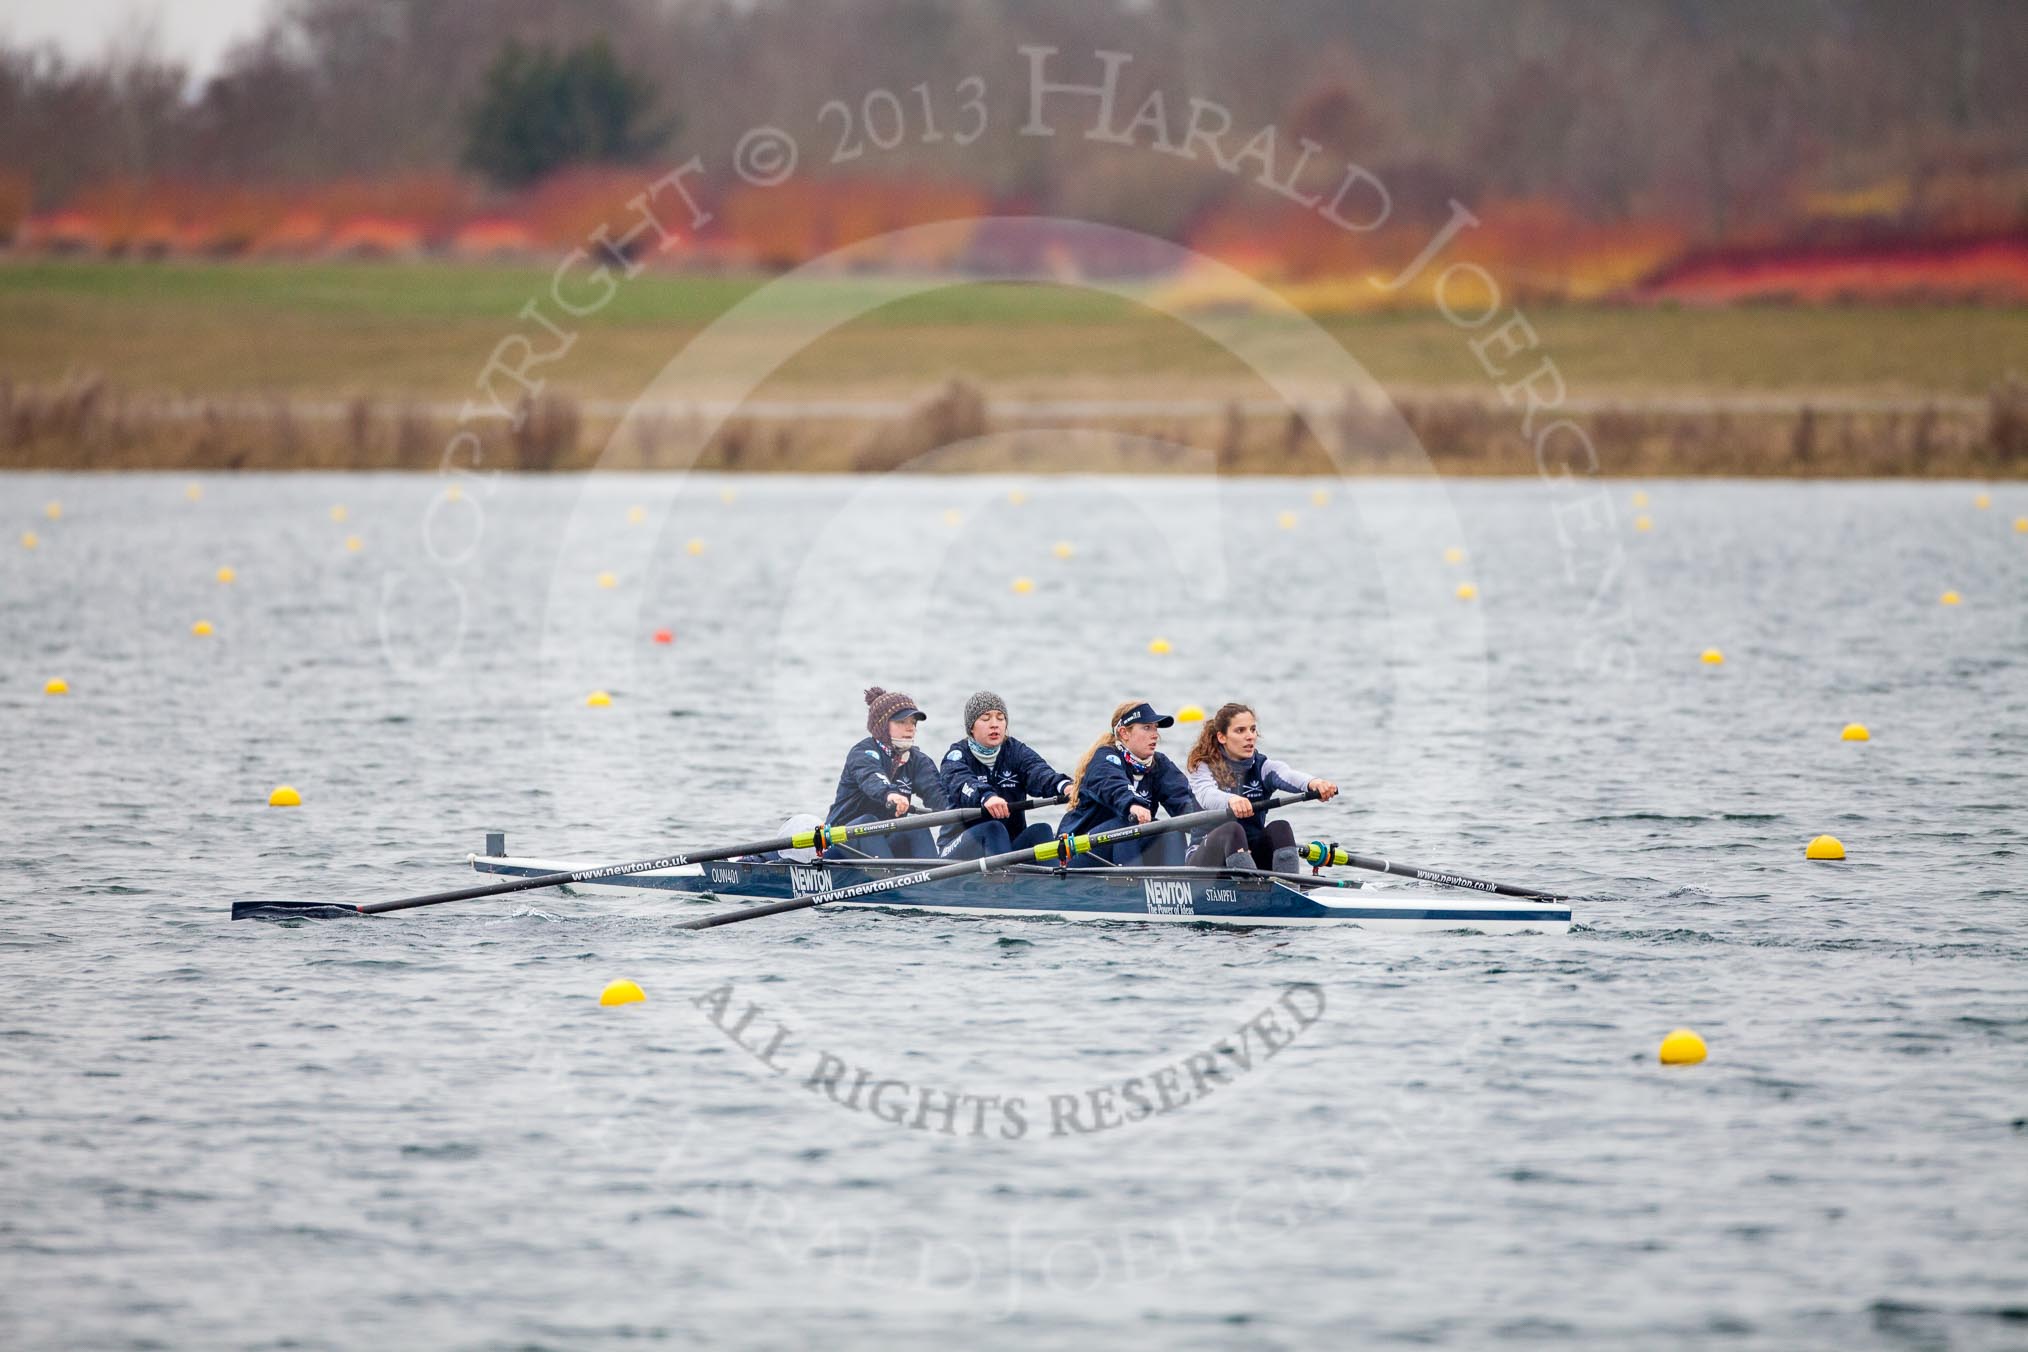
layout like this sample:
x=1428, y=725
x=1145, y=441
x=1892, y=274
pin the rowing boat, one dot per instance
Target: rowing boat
x=1213, y=896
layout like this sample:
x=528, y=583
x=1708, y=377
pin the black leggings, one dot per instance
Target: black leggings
x=1229, y=838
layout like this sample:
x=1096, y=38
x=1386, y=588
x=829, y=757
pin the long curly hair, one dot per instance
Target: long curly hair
x=1112, y=731
x=1207, y=751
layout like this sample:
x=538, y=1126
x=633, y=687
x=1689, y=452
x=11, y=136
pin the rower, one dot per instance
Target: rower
x=883, y=771
x=990, y=769
x=1227, y=768
x=1122, y=781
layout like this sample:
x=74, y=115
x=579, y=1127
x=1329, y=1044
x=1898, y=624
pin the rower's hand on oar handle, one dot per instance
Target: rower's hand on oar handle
x=996, y=807
x=1324, y=789
x=900, y=802
x=1241, y=806
x=1140, y=815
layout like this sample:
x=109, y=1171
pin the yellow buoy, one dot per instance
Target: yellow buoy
x=192, y=492
x=1712, y=658
x=1949, y=598
x=728, y=496
x=353, y=544
x=1644, y=523
x=609, y=580
x=1454, y=555
x=1640, y=498
x=953, y=517
x=597, y=699
x=1824, y=847
x=226, y=576
x=1190, y=713
x=1855, y=732
x=338, y=513
x=54, y=511
x=1159, y=646
x=1682, y=1048
x=2021, y=524
x=202, y=629
x=1983, y=501
x=622, y=993
x=29, y=539
x=56, y=685
x=636, y=515
x=1063, y=549
x=1016, y=498
x=1287, y=521
x=1023, y=585
x=695, y=547
x=1466, y=591
x=1320, y=498
x=285, y=796
x=455, y=493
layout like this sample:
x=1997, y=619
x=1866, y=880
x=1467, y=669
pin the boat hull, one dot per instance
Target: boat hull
x=1156, y=895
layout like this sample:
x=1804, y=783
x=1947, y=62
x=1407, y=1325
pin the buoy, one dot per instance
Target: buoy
x=622, y=993
x=1287, y=521
x=29, y=539
x=202, y=629
x=953, y=517
x=728, y=496
x=1682, y=1048
x=1023, y=585
x=1190, y=713
x=1063, y=549
x=1644, y=523
x=1466, y=591
x=353, y=544
x=1454, y=555
x=695, y=547
x=597, y=699
x=1983, y=501
x=56, y=685
x=1158, y=646
x=285, y=796
x=1949, y=598
x=636, y=515
x=1640, y=498
x=1016, y=498
x=192, y=492
x=664, y=636
x=1855, y=732
x=226, y=576
x=1712, y=658
x=1320, y=498
x=609, y=580
x=339, y=513
x=454, y=493
x=54, y=511
x=2021, y=524
x=1824, y=847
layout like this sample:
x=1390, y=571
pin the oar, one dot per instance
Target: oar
x=1040, y=854
x=1316, y=851
x=802, y=840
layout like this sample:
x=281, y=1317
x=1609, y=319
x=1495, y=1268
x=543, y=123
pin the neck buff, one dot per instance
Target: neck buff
x=1132, y=759
x=900, y=746
x=985, y=755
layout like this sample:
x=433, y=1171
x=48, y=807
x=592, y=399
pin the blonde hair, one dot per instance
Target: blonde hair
x=1207, y=751
x=1112, y=731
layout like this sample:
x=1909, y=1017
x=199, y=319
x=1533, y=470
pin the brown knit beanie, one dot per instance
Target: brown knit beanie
x=883, y=707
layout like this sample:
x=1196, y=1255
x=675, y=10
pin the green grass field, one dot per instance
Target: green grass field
x=426, y=329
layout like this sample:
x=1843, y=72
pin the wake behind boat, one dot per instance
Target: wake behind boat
x=1213, y=896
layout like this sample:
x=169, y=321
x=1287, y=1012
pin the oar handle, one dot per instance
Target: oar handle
x=1316, y=852
x=1041, y=854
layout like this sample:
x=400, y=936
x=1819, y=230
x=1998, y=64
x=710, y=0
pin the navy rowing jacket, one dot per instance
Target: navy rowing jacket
x=1017, y=773
x=870, y=774
x=1109, y=788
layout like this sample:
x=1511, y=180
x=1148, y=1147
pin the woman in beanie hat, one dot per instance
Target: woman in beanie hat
x=883, y=770
x=987, y=768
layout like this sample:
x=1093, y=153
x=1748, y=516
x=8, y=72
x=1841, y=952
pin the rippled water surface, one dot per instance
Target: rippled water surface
x=424, y=1130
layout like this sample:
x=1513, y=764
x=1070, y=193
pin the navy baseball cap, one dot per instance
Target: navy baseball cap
x=1144, y=712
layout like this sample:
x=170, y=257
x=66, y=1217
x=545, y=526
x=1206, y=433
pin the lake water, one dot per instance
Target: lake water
x=423, y=1130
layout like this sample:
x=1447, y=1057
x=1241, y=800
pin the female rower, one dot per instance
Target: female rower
x=882, y=771
x=1121, y=781
x=987, y=768
x=1227, y=768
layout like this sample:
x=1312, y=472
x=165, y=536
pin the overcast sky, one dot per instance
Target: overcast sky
x=194, y=31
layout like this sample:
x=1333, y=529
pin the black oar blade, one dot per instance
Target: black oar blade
x=293, y=910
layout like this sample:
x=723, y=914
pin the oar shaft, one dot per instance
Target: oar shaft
x=1040, y=854
x=1315, y=853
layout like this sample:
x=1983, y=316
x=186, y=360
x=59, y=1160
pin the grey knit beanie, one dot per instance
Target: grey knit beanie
x=983, y=702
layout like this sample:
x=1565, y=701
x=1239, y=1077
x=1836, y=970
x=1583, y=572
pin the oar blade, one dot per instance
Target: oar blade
x=294, y=910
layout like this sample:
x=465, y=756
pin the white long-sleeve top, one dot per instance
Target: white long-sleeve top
x=1277, y=774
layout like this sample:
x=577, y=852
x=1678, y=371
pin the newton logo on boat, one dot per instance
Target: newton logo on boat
x=809, y=879
x=1169, y=896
